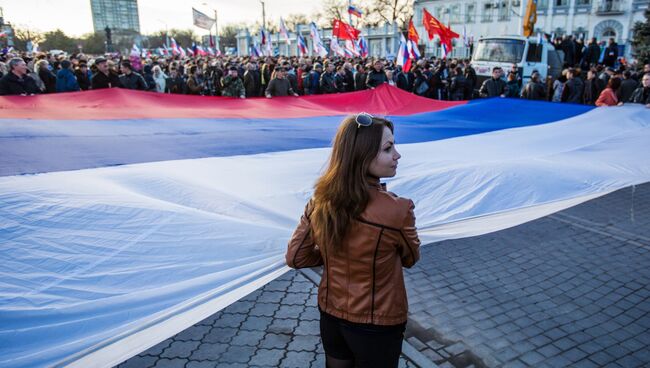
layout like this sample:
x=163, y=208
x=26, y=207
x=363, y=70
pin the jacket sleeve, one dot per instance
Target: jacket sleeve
x=302, y=251
x=410, y=244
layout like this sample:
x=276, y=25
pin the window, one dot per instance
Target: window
x=534, y=53
x=440, y=11
x=470, y=13
x=542, y=4
x=454, y=16
x=487, y=12
x=583, y=2
x=561, y=3
x=499, y=50
x=504, y=11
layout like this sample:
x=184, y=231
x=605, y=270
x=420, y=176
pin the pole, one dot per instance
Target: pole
x=216, y=31
x=263, y=15
x=349, y=15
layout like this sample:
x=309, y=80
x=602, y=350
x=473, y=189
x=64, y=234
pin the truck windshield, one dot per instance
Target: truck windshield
x=499, y=50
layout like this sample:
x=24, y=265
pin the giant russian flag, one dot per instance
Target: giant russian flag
x=126, y=217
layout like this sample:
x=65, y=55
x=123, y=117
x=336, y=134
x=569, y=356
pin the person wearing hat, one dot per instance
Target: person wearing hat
x=65, y=78
x=232, y=85
x=279, y=86
x=104, y=78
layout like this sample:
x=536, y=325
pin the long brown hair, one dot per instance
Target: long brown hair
x=341, y=193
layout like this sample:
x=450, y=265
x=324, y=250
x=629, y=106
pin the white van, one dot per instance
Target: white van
x=527, y=53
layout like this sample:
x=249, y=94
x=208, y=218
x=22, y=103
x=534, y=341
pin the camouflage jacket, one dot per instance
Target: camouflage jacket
x=232, y=87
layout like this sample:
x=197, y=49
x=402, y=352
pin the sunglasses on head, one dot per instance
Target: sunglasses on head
x=363, y=119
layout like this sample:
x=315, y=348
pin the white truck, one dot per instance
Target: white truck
x=527, y=53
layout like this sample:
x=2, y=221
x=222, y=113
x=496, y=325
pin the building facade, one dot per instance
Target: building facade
x=602, y=19
x=118, y=15
x=382, y=40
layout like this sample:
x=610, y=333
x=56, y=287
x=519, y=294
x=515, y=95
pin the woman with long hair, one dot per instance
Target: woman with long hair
x=608, y=95
x=362, y=235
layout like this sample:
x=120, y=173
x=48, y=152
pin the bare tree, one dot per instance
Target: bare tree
x=392, y=11
x=292, y=20
x=24, y=35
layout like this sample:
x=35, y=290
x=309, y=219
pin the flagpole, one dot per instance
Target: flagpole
x=349, y=14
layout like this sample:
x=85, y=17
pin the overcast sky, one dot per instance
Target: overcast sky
x=74, y=17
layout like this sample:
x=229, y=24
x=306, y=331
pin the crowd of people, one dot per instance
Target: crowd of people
x=589, y=77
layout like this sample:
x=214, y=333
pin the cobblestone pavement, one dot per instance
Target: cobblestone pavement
x=568, y=290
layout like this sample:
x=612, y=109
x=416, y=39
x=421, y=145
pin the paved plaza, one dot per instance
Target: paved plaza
x=568, y=290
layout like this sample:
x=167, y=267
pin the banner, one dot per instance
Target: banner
x=201, y=20
x=112, y=245
x=344, y=31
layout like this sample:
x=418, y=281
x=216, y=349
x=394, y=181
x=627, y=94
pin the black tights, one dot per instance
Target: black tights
x=338, y=363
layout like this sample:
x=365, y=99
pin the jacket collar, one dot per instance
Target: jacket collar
x=375, y=183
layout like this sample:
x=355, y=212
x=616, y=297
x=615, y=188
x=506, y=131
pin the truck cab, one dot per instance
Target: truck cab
x=527, y=53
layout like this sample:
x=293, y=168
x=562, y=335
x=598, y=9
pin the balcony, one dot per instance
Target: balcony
x=610, y=7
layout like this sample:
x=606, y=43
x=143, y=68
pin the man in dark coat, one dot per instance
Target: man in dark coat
x=405, y=79
x=360, y=78
x=340, y=79
x=494, y=86
x=592, y=54
x=459, y=89
x=131, y=79
x=16, y=81
x=535, y=89
x=279, y=86
x=377, y=76
x=252, y=80
x=327, y=82
x=611, y=53
x=104, y=78
x=574, y=88
x=642, y=94
x=628, y=86
x=349, y=77
x=83, y=76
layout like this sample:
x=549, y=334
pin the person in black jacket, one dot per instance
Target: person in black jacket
x=46, y=75
x=641, y=95
x=327, y=82
x=252, y=80
x=147, y=74
x=494, y=86
x=130, y=79
x=360, y=78
x=83, y=76
x=405, y=79
x=592, y=54
x=574, y=87
x=340, y=79
x=628, y=86
x=16, y=81
x=593, y=87
x=376, y=76
x=459, y=88
x=104, y=78
x=611, y=53
x=535, y=89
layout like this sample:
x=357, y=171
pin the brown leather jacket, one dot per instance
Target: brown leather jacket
x=364, y=283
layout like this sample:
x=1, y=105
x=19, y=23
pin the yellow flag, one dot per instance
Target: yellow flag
x=530, y=18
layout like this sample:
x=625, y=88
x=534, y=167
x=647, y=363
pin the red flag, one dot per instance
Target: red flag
x=434, y=27
x=344, y=31
x=413, y=33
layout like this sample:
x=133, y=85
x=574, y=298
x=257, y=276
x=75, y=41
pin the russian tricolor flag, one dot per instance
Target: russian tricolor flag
x=355, y=11
x=128, y=216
